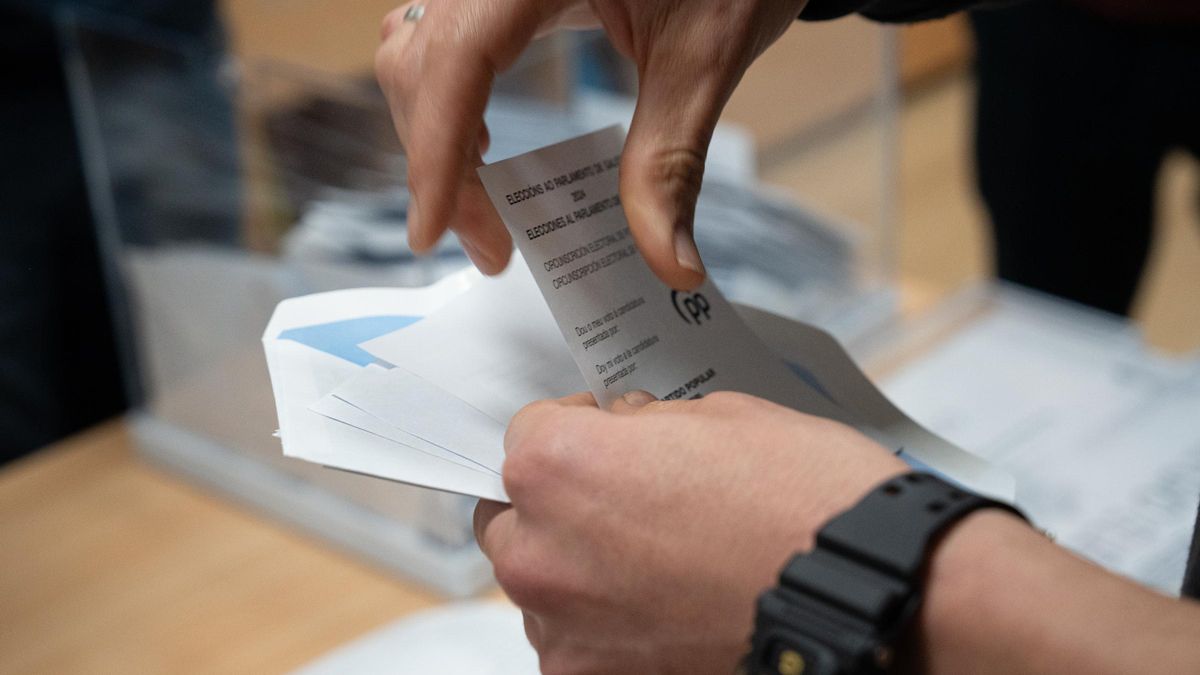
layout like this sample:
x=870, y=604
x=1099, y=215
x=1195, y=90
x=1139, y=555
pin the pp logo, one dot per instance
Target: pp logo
x=692, y=307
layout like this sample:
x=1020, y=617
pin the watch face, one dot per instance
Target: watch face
x=797, y=655
x=790, y=662
x=794, y=637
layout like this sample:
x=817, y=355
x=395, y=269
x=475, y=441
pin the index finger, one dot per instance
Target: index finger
x=438, y=77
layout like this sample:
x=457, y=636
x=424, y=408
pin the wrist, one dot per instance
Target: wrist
x=1002, y=598
x=986, y=597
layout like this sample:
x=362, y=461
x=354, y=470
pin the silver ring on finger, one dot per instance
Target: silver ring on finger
x=414, y=13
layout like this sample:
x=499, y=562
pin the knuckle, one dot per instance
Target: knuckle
x=393, y=71
x=680, y=169
x=400, y=61
x=389, y=22
x=508, y=572
x=730, y=400
x=479, y=526
x=521, y=577
x=480, y=520
x=557, y=662
x=661, y=407
x=533, y=629
x=540, y=577
x=533, y=445
x=567, y=659
x=383, y=65
x=518, y=476
x=524, y=423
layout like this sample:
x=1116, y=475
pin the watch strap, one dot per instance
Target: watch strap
x=869, y=559
x=891, y=529
x=850, y=598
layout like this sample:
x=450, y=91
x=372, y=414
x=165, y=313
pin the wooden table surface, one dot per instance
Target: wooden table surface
x=108, y=565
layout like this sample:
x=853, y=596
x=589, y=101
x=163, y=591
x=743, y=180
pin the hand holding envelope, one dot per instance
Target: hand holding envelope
x=639, y=537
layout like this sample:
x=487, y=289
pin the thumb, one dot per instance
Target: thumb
x=663, y=163
x=632, y=401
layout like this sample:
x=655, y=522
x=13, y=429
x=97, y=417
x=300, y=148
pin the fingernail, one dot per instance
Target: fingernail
x=686, y=252
x=638, y=398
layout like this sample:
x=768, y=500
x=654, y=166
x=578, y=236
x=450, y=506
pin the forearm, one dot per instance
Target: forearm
x=1004, y=599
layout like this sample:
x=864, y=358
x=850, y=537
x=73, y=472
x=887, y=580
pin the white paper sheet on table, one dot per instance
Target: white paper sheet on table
x=1098, y=431
x=466, y=638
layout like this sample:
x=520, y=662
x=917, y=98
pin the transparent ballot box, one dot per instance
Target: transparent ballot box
x=222, y=187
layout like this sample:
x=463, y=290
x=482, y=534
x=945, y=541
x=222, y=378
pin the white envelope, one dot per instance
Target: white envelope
x=426, y=414
x=301, y=374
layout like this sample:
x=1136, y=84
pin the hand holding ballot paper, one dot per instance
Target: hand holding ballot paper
x=418, y=386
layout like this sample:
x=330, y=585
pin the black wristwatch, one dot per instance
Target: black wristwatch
x=842, y=608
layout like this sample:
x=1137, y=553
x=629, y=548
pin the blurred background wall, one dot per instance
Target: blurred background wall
x=59, y=372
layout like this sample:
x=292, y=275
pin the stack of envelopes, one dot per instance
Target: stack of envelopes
x=418, y=385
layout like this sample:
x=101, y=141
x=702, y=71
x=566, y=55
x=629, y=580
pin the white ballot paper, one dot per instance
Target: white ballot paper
x=418, y=385
x=625, y=329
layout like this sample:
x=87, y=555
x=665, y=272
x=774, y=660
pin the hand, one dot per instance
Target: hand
x=639, y=539
x=690, y=54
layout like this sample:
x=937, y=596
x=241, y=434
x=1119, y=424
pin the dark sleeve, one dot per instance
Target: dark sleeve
x=892, y=11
